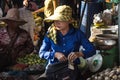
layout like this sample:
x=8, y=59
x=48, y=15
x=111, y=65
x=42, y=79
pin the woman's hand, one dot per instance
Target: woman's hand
x=74, y=55
x=60, y=56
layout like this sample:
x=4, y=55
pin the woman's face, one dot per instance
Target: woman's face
x=61, y=25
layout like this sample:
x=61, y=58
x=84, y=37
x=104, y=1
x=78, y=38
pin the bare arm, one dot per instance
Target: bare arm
x=39, y=10
x=55, y=4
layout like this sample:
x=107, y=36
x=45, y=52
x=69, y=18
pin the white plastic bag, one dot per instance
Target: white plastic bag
x=1, y=12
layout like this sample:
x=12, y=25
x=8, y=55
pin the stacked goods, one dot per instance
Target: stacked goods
x=107, y=74
x=98, y=21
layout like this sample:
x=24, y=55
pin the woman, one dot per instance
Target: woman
x=48, y=9
x=5, y=6
x=14, y=41
x=62, y=41
x=26, y=14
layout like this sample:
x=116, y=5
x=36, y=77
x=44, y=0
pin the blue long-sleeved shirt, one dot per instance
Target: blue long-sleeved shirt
x=70, y=42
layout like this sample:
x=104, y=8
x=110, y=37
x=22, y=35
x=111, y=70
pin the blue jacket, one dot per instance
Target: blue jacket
x=71, y=42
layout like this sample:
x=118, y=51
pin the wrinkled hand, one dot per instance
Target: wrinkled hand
x=72, y=56
x=60, y=56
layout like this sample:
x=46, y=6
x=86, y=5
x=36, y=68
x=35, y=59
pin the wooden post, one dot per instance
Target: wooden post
x=119, y=31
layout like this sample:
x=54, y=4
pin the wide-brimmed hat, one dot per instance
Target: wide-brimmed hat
x=61, y=13
x=13, y=15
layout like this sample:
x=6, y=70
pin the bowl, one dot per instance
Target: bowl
x=109, y=42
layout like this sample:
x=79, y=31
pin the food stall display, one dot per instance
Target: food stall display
x=34, y=63
x=107, y=74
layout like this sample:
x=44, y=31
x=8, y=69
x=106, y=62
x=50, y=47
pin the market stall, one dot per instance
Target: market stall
x=105, y=36
x=27, y=68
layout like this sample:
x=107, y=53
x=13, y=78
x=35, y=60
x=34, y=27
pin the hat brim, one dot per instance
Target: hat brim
x=19, y=21
x=59, y=18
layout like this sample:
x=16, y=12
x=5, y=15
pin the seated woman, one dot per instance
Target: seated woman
x=62, y=42
x=14, y=41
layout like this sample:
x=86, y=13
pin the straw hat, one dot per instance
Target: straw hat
x=13, y=15
x=61, y=13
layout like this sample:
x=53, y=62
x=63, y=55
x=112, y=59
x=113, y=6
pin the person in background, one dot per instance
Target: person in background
x=14, y=41
x=62, y=41
x=5, y=5
x=31, y=4
x=48, y=9
x=26, y=14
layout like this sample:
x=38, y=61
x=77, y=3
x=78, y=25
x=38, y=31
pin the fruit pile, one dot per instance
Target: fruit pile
x=31, y=59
